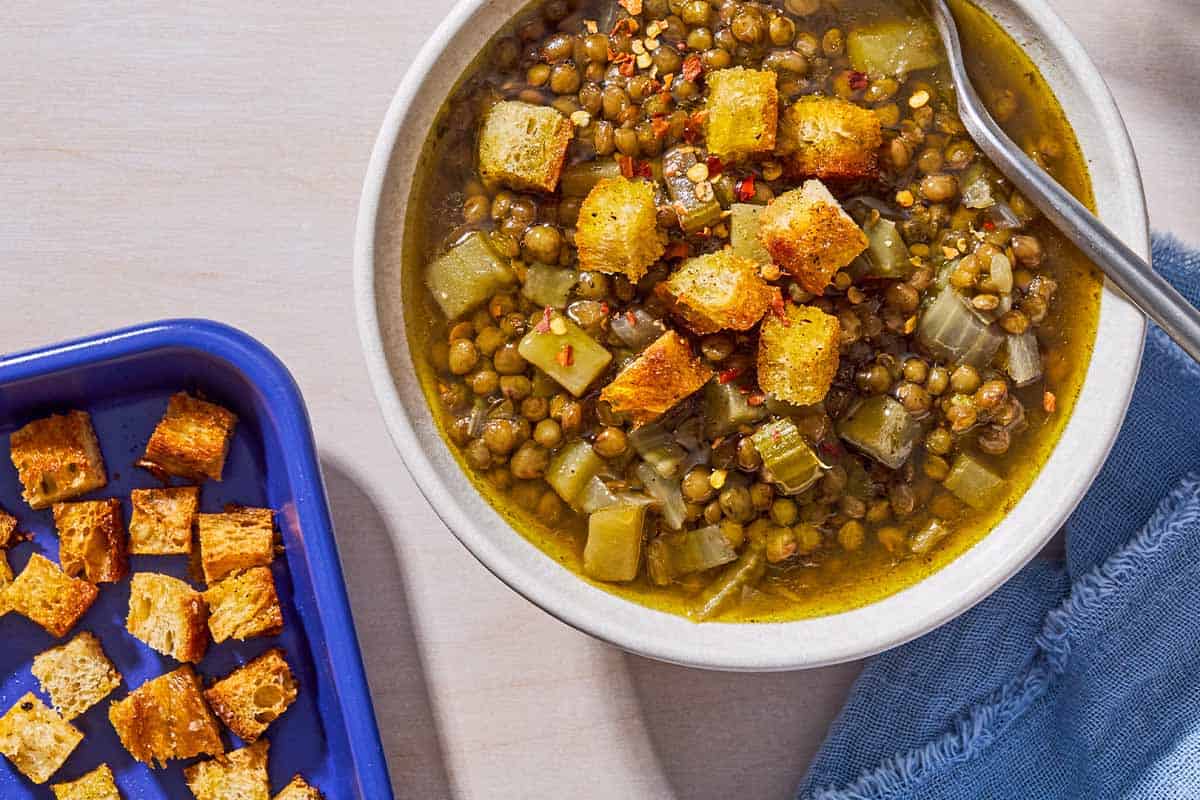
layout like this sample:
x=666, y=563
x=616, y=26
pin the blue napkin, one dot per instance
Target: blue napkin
x=1077, y=679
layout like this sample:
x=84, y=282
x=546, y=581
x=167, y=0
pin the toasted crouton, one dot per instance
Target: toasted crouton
x=239, y=775
x=798, y=354
x=91, y=540
x=244, y=605
x=76, y=675
x=742, y=112
x=35, y=739
x=191, y=440
x=665, y=373
x=162, y=520
x=523, y=146
x=236, y=540
x=166, y=718
x=48, y=596
x=9, y=535
x=617, y=230
x=253, y=696
x=168, y=615
x=58, y=458
x=808, y=233
x=298, y=789
x=96, y=785
x=717, y=291
x=831, y=139
x=6, y=578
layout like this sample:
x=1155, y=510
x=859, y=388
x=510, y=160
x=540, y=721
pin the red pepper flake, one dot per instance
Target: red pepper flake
x=777, y=308
x=565, y=356
x=626, y=164
x=676, y=250
x=694, y=125
x=634, y=7
x=830, y=450
x=1049, y=402
x=631, y=318
x=659, y=127
x=729, y=375
x=745, y=188
x=757, y=399
x=627, y=69
x=715, y=167
x=858, y=80
x=988, y=225
x=543, y=325
x=643, y=169
x=623, y=25
x=776, y=435
x=604, y=307
x=692, y=67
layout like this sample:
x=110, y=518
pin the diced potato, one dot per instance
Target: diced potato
x=717, y=291
x=894, y=48
x=798, y=354
x=743, y=232
x=829, y=138
x=617, y=230
x=523, y=146
x=665, y=373
x=467, y=275
x=571, y=357
x=808, y=233
x=614, y=543
x=743, y=112
x=974, y=483
x=572, y=468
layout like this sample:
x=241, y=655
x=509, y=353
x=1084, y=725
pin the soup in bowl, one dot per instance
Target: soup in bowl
x=717, y=306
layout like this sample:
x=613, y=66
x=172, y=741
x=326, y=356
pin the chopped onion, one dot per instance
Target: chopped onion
x=1001, y=272
x=1024, y=359
x=952, y=331
x=671, y=505
x=595, y=496
x=1002, y=216
x=658, y=447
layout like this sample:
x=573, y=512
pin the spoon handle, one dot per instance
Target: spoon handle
x=1136, y=278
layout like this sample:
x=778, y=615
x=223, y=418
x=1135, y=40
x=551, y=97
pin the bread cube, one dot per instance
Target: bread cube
x=743, y=112
x=168, y=615
x=58, y=458
x=91, y=540
x=298, y=789
x=9, y=535
x=48, y=596
x=717, y=291
x=617, y=231
x=162, y=520
x=191, y=440
x=96, y=785
x=807, y=232
x=798, y=354
x=523, y=146
x=239, y=775
x=665, y=373
x=244, y=605
x=76, y=675
x=831, y=139
x=254, y=695
x=166, y=718
x=35, y=739
x=236, y=540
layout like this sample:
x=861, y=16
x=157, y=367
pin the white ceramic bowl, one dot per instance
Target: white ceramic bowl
x=775, y=646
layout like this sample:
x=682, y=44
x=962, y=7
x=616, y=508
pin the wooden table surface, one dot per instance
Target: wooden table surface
x=170, y=159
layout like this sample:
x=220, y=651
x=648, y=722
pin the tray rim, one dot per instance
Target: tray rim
x=289, y=415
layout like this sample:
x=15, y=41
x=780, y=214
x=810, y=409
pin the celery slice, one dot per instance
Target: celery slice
x=726, y=409
x=467, y=275
x=886, y=255
x=726, y=589
x=690, y=551
x=548, y=285
x=657, y=446
x=694, y=213
x=579, y=179
x=881, y=428
x=572, y=358
x=973, y=483
x=572, y=469
x=790, y=462
x=894, y=48
x=743, y=233
x=952, y=331
x=614, y=543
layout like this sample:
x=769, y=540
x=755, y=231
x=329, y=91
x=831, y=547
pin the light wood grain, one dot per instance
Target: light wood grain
x=204, y=159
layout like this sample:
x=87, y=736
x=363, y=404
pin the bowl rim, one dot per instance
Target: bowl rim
x=817, y=641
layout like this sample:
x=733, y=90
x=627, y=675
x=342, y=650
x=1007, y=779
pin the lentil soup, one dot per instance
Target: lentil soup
x=722, y=309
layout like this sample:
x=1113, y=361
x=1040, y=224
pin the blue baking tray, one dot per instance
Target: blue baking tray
x=124, y=379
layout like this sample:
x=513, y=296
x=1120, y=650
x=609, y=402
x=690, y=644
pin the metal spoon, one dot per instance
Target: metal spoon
x=1148, y=291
